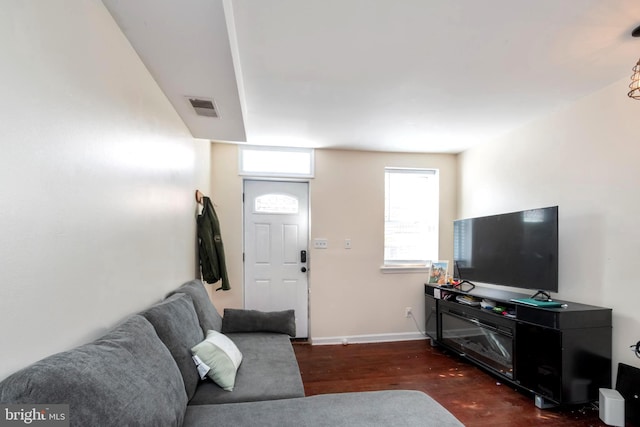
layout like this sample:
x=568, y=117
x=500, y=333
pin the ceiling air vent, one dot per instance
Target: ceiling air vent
x=203, y=106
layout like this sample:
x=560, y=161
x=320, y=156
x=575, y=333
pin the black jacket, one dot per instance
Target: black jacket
x=210, y=248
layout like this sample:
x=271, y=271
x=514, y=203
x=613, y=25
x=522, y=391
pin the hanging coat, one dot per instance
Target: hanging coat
x=210, y=248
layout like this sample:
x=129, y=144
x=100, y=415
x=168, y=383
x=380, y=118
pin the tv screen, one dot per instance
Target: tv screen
x=518, y=249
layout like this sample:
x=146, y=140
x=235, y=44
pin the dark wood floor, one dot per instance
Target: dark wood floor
x=476, y=398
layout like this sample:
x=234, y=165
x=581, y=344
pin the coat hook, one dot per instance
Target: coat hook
x=199, y=196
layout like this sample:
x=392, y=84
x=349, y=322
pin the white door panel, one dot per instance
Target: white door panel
x=276, y=230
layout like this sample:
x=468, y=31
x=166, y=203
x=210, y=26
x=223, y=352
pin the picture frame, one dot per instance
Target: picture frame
x=438, y=272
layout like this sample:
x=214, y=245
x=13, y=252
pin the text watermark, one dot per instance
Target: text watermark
x=34, y=415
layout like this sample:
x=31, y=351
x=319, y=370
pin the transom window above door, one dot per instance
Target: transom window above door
x=286, y=162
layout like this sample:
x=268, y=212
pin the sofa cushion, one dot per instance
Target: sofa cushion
x=375, y=408
x=176, y=323
x=127, y=377
x=208, y=316
x=269, y=370
x=237, y=320
x=222, y=356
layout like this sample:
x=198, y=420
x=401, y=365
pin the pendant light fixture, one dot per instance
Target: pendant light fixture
x=635, y=78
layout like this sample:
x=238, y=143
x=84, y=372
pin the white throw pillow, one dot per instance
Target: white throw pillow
x=222, y=356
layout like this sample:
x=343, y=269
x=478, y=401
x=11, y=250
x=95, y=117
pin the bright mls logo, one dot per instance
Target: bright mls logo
x=34, y=415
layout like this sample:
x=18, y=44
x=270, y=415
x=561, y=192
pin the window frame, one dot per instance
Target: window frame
x=410, y=266
x=242, y=171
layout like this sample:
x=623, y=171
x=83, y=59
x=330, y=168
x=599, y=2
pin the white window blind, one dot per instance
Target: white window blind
x=411, y=217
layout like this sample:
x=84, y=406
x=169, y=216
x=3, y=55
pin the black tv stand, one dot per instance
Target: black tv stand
x=561, y=355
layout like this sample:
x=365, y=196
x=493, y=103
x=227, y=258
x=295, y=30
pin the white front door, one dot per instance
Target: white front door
x=276, y=239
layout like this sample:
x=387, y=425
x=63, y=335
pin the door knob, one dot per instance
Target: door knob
x=303, y=269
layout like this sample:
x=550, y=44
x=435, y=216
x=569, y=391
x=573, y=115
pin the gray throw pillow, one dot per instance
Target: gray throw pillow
x=125, y=378
x=208, y=316
x=238, y=320
x=176, y=323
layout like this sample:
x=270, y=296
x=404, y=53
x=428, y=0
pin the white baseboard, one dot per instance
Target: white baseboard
x=373, y=338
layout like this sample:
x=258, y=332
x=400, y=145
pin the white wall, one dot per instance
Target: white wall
x=350, y=296
x=585, y=160
x=97, y=176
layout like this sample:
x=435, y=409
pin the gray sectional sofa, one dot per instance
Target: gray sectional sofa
x=141, y=373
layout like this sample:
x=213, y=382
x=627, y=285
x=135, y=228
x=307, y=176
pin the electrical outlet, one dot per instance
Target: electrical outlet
x=320, y=243
x=407, y=312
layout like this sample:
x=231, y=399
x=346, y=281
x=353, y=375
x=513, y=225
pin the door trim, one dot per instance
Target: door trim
x=245, y=179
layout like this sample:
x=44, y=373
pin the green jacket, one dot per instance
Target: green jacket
x=210, y=248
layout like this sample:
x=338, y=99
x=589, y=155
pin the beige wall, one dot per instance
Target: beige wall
x=97, y=176
x=585, y=160
x=350, y=296
x=226, y=194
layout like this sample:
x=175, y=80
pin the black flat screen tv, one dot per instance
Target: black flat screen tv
x=517, y=249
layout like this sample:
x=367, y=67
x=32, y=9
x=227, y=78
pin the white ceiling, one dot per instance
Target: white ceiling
x=390, y=75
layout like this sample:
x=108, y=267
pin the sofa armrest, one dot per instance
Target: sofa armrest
x=238, y=320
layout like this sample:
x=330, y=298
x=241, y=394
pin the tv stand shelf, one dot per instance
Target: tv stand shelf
x=562, y=355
